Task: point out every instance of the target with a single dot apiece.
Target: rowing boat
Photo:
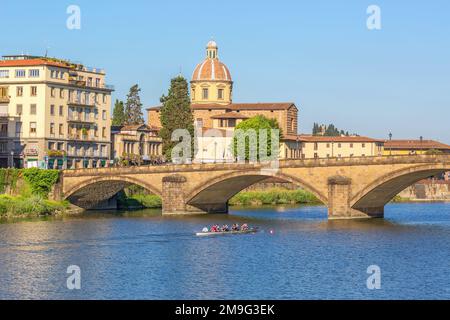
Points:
(220, 233)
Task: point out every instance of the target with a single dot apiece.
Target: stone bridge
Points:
(349, 187)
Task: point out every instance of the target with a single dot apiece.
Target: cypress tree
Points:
(133, 107)
(118, 113)
(175, 114)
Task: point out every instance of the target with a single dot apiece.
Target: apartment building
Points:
(53, 114)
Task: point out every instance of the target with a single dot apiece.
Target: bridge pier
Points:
(339, 196)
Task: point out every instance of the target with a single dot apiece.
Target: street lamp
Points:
(390, 139)
(12, 159)
(215, 151)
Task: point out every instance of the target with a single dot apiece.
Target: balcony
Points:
(90, 84)
(81, 137)
(81, 102)
(80, 119)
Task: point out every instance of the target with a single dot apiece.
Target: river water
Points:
(297, 255)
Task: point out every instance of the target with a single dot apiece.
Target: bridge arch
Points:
(90, 193)
(382, 190)
(217, 191)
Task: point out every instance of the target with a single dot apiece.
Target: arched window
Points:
(205, 93)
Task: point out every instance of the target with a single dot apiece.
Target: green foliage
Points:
(256, 123)
(330, 131)
(40, 181)
(176, 113)
(29, 206)
(118, 113)
(133, 107)
(273, 196)
(128, 199)
(8, 177)
(433, 152)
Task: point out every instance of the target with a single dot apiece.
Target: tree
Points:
(433, 152)
(316, 129)
(176, 113)
(118, 114)
(256, 123)
(133, 107)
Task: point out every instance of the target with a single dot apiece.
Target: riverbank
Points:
(30, 206)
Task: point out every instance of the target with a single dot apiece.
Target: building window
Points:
(328, 145)
(33, 91)
(61, 93)
(61, 110)
(316, 155)
(52, 129)
(18, 128)
(205, 94)
(104, 114)
(20, 73)
(4, 130)
(52, 92)
(61, 129)
(52, 110)
(4, 92)
(104, 98)
(33, 73)
(220, 94)
(19, 109)
(316, 146)
(339, 145)
(103, 132)
(351, 145)
(363, 145)
(193, 94)
(32, 109)
(97, 82)
(32, 127)
(19, 91)
(4, 73)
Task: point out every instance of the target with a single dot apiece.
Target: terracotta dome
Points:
(211, 69)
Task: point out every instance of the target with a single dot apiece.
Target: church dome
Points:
(211, 69)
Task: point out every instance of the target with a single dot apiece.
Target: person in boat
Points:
(225, 228)
(235, 227)
(244, 227)
(205, 229)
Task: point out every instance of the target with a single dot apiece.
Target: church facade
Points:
(216, 114)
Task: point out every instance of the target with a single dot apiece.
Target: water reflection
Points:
(297, 254)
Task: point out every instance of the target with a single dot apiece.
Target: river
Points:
(297, 255)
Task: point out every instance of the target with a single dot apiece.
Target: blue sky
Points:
(318, 54)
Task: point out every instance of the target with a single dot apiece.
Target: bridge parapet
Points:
(351, 187)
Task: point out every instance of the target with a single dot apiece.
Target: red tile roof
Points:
(32, 62)
(415, 144)
(311, 138)
(238, 106)
(230, 115)
(245, 106)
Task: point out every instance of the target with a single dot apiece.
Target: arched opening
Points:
(377, 194)
(215, 196)
(111, 193)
